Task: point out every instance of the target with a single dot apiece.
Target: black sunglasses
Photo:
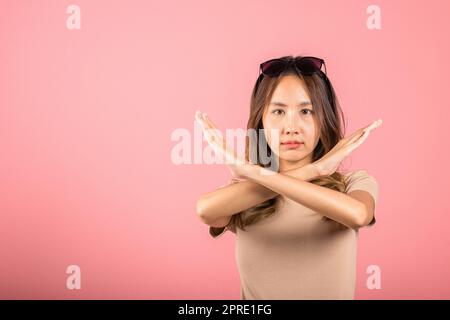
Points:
(303, 65)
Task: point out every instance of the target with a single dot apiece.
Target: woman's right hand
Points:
(237, 165)
(330, 162)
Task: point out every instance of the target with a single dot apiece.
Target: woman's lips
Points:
(292, 145)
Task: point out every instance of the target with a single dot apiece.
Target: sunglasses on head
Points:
(303, 65)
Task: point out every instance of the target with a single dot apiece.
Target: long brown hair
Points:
(331, 124)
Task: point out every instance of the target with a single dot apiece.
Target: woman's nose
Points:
(292, 124)
(291, 130)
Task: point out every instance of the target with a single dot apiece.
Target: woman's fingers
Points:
(357, 140)
(355, 137)
(207, 122)
(218, 136)
(203, 121)
(200, 120)
(209, 132)
(221, 141)
(374, 125)
(358, 133)
(212, 134)
(351, 147)
(361, 139)
(211, 125)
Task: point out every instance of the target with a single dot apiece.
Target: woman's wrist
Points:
(252, 172)
(307, 173)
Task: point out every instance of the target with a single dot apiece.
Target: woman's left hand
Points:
(239, 167)
(330, 162)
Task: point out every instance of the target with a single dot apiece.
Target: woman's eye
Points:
(304, 111)
(276, 111)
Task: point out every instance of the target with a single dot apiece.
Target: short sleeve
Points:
(216, 232)
(362, 180)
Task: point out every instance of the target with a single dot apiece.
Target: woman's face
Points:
(291, 114)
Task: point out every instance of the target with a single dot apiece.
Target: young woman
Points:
(296, 226)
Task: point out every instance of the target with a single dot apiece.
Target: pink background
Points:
(86, 118)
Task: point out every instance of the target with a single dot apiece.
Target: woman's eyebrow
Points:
(280, 104)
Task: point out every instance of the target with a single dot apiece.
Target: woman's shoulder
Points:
(361, 179)
(356, 172)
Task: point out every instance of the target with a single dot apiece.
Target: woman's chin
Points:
(292, 155)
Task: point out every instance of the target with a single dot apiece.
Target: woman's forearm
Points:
(335, 205)
(234, 198)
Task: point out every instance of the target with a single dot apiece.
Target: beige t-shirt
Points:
(296, 253)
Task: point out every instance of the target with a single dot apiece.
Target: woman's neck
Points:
(286, 165)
